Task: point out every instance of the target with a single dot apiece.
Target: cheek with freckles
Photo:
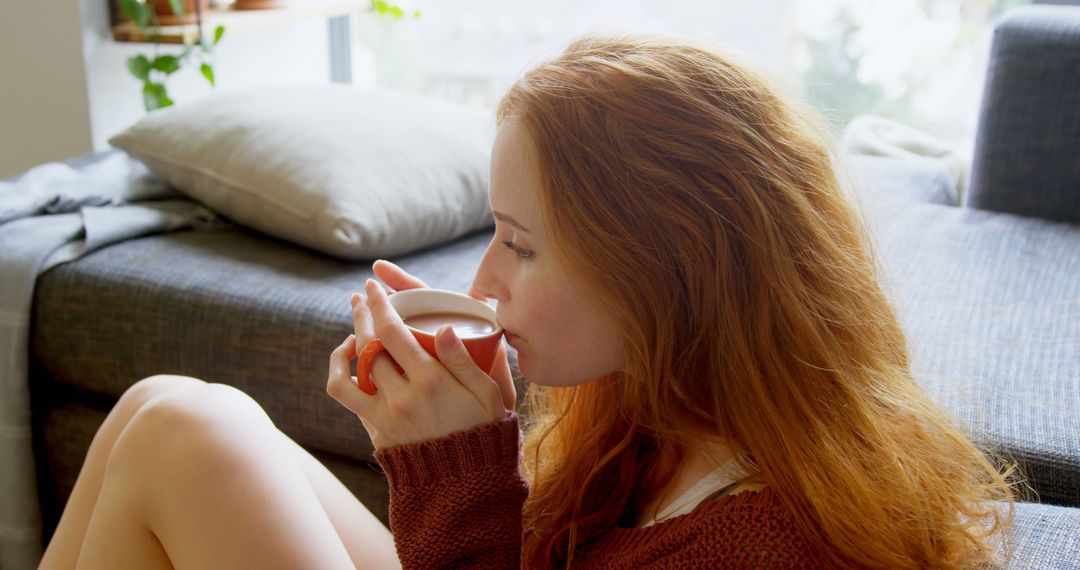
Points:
(567, 346)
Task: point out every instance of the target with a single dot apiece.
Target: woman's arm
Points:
(455, 502)
(445, 433)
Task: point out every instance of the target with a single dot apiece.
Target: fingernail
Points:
(369, 284)
(446, 336)
(354, 299)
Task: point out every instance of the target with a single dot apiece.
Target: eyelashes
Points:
(518, 252)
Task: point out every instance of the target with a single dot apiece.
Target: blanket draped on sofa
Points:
(50, 215)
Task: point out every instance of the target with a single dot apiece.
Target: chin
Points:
(555, 380)
(548, 377)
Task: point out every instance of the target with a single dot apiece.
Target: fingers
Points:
(363, 325)
(455, 357)
(398, 279)
(395, 277)
(341, 385)
(380, 366)
(393, 333)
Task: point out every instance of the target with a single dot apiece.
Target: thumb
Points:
(455, 357)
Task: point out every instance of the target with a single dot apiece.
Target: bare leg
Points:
(203, 479)
(63, 548)
(369, 543)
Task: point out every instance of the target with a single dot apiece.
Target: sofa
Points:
(988, 291)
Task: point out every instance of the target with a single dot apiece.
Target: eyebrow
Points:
(509, 220)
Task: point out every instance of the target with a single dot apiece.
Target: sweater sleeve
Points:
(455, 501)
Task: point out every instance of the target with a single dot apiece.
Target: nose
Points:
(488, 281)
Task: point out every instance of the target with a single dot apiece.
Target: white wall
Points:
(43, 104)
(65, 88)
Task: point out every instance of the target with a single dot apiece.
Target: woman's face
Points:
(560, 338)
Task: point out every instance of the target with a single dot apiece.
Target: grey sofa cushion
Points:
(991, 306)
(227, 306)
(1046, 537)
(1029, 125)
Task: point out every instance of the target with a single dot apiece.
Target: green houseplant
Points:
(154, 69)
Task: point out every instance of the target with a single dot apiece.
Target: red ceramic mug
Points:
(424, 312)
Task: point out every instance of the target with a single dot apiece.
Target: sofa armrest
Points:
(1025, 159)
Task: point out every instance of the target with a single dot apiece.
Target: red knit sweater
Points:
(455, 502)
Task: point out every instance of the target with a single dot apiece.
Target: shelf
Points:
(244, 20)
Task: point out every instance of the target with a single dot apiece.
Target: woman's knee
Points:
(205, 423)
(185, 442)
(150, 387)
(135, 398)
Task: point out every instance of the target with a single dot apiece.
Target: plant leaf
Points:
(155, 96)
(177, 7)
(208, 72)
(135, 11)
(218, 32)
(129, 8)
(139, 66)
(166, 63)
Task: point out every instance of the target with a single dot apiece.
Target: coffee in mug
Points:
(465, 325)
(425, 311)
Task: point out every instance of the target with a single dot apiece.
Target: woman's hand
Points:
(436, 396)
(398, 280)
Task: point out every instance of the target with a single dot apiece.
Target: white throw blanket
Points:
(51, 215)
(879, 136)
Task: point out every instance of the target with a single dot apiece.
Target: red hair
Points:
(702, 208)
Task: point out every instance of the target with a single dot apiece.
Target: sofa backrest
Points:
(1027, 148)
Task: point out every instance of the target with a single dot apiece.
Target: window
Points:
(921, 62)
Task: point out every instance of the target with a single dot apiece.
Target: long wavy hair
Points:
(700, 203)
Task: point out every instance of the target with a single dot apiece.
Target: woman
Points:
(716, 378)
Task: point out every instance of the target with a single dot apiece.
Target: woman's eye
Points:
(522, 253)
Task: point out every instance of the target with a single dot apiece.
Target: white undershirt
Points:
(688, 501)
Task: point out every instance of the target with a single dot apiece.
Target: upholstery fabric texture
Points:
(1045, 537)
(990, 304)
(330, 167)
(226, 306)
(1029, 123)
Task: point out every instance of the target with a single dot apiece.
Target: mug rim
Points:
(428, 291)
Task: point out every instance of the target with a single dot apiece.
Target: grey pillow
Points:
(357, 173)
